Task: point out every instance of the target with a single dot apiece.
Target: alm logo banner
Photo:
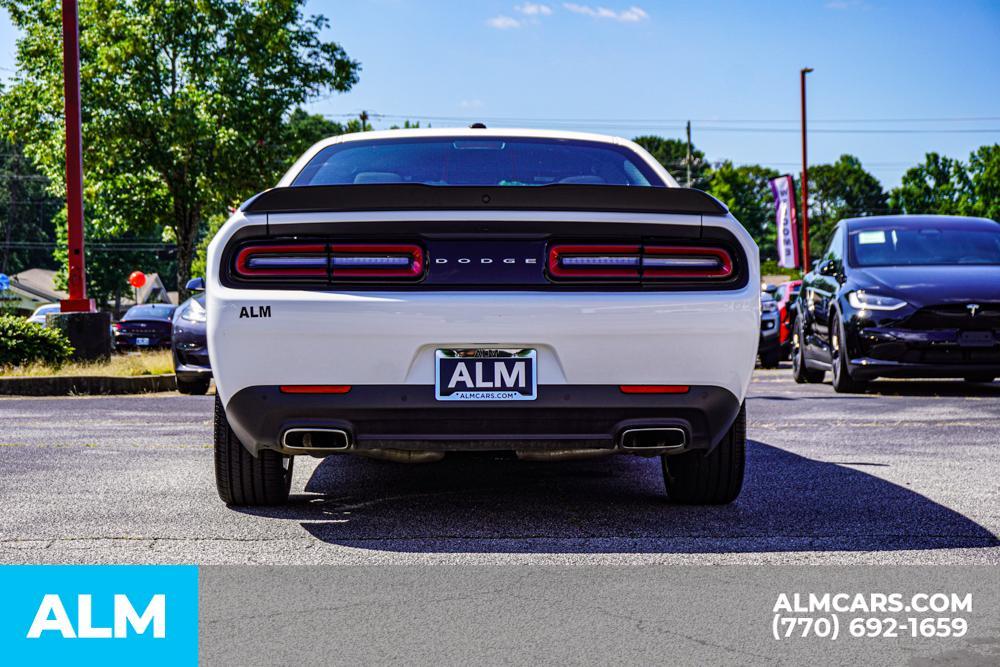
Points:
(102, 614)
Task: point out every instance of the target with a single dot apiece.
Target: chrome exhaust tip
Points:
(653, 439)
(315, 440)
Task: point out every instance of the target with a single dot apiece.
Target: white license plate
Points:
(142, 341)
(485, 375)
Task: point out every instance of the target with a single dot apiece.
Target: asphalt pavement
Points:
(906, 474)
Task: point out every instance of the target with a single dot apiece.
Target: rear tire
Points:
(242, 478)
(198, 386)
(801, 373)
(696, 478)
(843, 383)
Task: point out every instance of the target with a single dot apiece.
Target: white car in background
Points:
(405, 294)
(38, 317)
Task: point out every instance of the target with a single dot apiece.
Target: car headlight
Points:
(195, 312)
(863, 301)
(768, 306)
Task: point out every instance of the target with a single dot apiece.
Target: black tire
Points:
(242, 478)
(696, 478)
(770, 359)
(801, 373)
(198, 386)
(843, 383)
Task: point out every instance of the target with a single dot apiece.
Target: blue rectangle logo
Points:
(99, 614)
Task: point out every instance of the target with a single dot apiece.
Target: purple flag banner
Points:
(784, 212)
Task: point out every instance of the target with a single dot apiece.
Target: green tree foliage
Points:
(23, 342)
(184, 104)
(936, 185)
(672, 154)
(843, 189)
(27, 230)
(747, 193)
(301, 131)
(946, 186)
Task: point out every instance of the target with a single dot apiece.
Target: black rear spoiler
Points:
(414, 197)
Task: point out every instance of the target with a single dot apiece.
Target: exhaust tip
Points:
(653, 438)
(316, 440)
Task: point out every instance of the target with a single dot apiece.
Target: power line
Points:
(646, 121)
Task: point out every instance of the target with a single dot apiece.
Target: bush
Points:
(23, 342)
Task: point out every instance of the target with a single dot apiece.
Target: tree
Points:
(301, 131)
(936, 185)
(27, 230)
(840, 190)
(747, 193)
(983, 197)
(672, 154)
(184, 104)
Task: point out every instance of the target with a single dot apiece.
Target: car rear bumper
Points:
(408, 417)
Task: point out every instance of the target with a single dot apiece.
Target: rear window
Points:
(927, 245)
(491, 161)
(150, 312)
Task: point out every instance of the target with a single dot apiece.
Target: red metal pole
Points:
(805, 175)
(78, 301)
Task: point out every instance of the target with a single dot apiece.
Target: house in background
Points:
(35, 287)
(30, 289)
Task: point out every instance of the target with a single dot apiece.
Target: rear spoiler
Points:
(414, 197)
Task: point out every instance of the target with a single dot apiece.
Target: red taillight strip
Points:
(558, 253)
(686, 265)
(654, 388)
(415, 269)
(315, 388)
(298, 250)
(364, 260)
(654, 262)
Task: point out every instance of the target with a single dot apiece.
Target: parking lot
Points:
(905, 474)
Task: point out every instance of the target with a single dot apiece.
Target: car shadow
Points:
(949, 388)
(472, 503)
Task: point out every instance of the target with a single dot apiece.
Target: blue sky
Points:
(642, 66)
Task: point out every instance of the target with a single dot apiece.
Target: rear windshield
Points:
(150, 312)
(489, 162)
(925, 245)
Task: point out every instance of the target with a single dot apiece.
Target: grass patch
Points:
(135, 364)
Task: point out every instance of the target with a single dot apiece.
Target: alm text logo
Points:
(52, 617)
(99, 614)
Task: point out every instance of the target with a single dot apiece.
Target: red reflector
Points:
(315, 388)
(654, 388)
(594, 261)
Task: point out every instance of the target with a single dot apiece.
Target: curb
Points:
(55, 385)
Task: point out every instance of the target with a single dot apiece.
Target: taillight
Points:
(334, 261)
(638, 262)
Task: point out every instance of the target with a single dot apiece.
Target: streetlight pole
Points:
(805, 174)
(77, 301)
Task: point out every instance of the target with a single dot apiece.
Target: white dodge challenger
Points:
(404, 294)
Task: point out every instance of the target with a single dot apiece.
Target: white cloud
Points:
(633, 14)
(533, 9)
(502, 22)
(471, 104)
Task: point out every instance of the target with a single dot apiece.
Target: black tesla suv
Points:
(902, 296)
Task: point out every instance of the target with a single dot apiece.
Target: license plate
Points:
(485, 375)
(142, 341)
(976, 339)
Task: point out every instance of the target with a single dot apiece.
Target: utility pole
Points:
(364, 120)
(77, 301)
(805, 175)
(88, 331)
(687, 160)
